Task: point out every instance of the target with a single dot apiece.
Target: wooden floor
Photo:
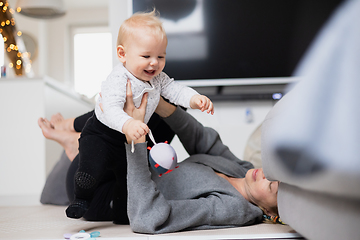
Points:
(50, 222)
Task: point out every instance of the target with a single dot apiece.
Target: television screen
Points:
(237, 39)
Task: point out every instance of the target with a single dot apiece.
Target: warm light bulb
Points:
(18, 62)
(18, 66)
(2, 24)
(19, 33)
(11, 65)
(5, 39)
(18, 9)
(7, 22)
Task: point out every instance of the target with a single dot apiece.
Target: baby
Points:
(141, 49)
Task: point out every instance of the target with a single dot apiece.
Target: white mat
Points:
(50, 222)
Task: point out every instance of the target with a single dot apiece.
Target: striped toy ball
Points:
(162, 158)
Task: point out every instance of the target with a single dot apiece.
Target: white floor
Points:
(50, 222)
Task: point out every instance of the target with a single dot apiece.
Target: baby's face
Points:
(145, 55)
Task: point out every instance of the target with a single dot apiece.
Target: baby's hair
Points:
(141, 20)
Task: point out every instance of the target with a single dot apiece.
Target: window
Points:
(92, 62)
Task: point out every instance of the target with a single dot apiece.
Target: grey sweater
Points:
(192, 196)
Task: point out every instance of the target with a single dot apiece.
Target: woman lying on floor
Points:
(210, 189)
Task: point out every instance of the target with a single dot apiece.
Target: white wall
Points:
(118, 12)
(26, 157)
(22, 147)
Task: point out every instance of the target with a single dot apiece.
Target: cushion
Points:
(252, 152)
(54, 191)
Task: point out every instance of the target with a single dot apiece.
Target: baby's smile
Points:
(150, 72)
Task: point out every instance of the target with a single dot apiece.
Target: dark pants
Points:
(99, 172)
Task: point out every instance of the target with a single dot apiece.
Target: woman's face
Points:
(261, 191)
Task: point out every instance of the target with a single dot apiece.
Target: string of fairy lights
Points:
(13, 43)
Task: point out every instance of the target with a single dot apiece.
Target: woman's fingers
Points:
(128, 91)
(129, 104)
(144, 101)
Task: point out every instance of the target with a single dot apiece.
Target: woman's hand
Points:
(135, 129)
(129, 107)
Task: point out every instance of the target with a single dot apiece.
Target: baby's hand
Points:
(135, 129)
(202, 102)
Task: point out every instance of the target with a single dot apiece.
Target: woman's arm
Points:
(150, 212)
(164, 109)
(195, 138)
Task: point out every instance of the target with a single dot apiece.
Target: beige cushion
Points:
(252, 152)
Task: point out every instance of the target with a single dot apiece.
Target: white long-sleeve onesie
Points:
(113, 92)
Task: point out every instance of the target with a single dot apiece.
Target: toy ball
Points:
(162, 158)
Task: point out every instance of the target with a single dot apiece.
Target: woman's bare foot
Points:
(58, 122)
(67, 139)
